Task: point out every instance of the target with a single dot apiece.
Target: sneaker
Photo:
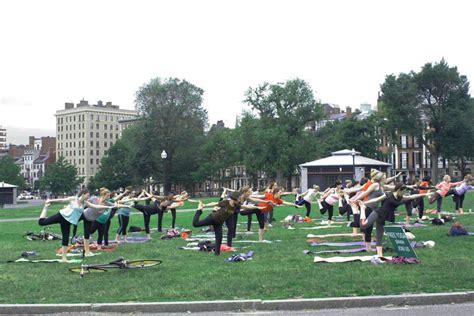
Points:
(307, 219)
(248, 233)
(291, 227)
(270, 225)
(376, 260)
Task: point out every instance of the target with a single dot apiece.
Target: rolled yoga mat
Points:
(133, 240)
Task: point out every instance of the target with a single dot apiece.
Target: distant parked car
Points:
(25, 196)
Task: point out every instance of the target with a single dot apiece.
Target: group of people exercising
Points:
(370, 201)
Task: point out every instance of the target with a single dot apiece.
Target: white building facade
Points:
(85, 132)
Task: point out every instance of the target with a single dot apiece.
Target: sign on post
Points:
(400, 242)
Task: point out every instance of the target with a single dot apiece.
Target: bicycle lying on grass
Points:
(42, 235)
(120, 263)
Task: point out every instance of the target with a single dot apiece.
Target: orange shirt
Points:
(365, 188)
(273, 199)
(424, 184)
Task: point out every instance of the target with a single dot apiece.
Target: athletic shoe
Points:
(248, 233)
(376, 260)
(290, 227)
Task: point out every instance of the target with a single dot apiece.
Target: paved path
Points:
(430, 310)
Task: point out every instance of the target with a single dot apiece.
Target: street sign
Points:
(400, 241)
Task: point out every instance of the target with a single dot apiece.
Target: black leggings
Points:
(173, 218)
(308, 207)
(439, 201)
(458, 199)
(374, 217)
(58, 219)
(420, 204)
(409, 208)
(123, 224)
(87, 228)
(327, 208)
(148, 211)
(367, 230)
(230, 222)
(260, 216)
(209, 221)
(345, 209)
(249, 221)
(103, 229)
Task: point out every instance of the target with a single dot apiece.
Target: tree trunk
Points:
(434, 166)
(279, 178)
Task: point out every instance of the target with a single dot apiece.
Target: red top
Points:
(273, 199)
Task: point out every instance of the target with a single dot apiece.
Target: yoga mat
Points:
(338, 259)
(256, 241)
(92, 254)
(415, 225)
(341, 244)
(332, 235)
(321, 227)
(354, 250)
(132, 240)
(46, 260)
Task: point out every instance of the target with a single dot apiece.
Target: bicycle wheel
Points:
(32, 237)
(87, 270)
(142, 263)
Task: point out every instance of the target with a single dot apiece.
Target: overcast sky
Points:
(53, 52)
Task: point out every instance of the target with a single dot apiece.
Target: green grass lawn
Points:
(278, 271)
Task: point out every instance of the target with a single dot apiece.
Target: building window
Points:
(91, 144)
(97, 134)
(97, 145)
(92, 152)
(105, 135)
(105, 144)
(97, 161)
(403, 141)
(97, 126)
(105, 125)
(92, 125)
(404, 160)
(92, 134)
(92, 161)
(97, 152)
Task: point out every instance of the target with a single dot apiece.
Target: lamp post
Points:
(353, 154)
(164, 155)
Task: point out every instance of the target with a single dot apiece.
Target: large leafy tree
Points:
(173, 120)
(10, 172)
(60, 177)
(422, 104)
(350, 133)
(116, 169)
(219, 152)
(284, 110)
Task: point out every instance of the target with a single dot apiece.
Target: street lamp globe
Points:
(164, 155)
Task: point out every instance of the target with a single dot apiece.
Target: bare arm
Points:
(370, 189)
(65, 200)
(376, 200)
(391, 179)
(415, 196)
(98, 207)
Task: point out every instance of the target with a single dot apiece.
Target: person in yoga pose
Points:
(69, 214)
(459, 191)
(390, 201)
(443, 189)
(221, 212)
(124, 213)
(329, 199)
(310, 196)
(371, 190)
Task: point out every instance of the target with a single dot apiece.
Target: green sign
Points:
(400, 241)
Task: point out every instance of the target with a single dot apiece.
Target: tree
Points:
(173, 120)
(421, 104)
(459, 135)
(60, 177)
(219, 151)
(10, 172)
(116, 170)
(350, 133)
(284, 110)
